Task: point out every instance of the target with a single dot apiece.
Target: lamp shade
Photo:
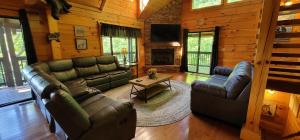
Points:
(124, 51)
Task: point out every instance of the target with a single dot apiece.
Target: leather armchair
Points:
(225, 95)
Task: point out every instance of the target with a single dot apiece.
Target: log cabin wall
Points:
(118, 12)
(239, 26)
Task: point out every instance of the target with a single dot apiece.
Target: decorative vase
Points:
(152, 73)
(152, 76)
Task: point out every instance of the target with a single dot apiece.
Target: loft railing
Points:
(199, 59)
(22, 61)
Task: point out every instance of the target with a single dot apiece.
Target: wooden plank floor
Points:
(27, 123)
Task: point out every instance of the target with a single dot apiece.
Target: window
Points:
(196, 4)
(114, 46)
(143, 4)
(231, 1)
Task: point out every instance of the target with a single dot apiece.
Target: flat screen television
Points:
(165, 32)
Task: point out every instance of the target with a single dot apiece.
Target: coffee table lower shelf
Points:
(148, 93)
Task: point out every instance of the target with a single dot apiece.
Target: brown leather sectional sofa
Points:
(69, 94)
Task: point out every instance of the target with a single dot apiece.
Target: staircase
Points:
(284, 72)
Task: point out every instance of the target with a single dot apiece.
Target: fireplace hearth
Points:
(162, 56)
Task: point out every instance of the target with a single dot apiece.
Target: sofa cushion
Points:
(107, 67)
(79, 90)
(86, 66)
(84, 61)
(65, 75)
(44, 85)
(212, 89)
(86, 71)
(63, 70)
(75, 82)
(98, 103)
(118, 75)
(238, 79)
(92, 77)
(106, 59)
(91, 91)
(218, 79)
(60, 65)
(41, 67)
(95, 80)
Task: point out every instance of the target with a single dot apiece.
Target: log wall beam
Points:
(53, 28)
(269, 15)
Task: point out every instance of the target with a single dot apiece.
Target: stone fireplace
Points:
(162, 60)
(162, 56)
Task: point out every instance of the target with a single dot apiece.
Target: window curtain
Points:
(119, 31)
(214, 61)
(184, 61)
(27, 36)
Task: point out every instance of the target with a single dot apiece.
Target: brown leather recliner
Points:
(97, 118)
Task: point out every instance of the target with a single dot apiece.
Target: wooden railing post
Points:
(266, 36)
(53, 28)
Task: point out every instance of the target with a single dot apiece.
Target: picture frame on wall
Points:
(80, 31)
(81, 44)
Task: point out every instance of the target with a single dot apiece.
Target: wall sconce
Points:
(177, 44)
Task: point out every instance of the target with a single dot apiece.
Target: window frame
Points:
(199, 35)
(128, 48)
(208, 7)
(223, 2)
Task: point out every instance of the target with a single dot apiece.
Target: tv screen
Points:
(165, 32)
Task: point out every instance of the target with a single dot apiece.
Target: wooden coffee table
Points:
(150, 87)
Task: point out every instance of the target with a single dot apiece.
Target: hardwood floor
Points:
(27, 123)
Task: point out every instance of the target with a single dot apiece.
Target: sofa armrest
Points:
(225, 71)
(203, 87)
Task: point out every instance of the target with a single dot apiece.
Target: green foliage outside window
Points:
(197, 4)
(231, 1)
(205, 3)
(199, 51)
(117, 44)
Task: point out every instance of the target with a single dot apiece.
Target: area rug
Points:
(165, 108)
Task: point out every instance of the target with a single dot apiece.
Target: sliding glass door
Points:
(13, 59)
(200, 46)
